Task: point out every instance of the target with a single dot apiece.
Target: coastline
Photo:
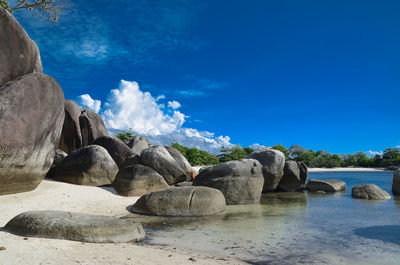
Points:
(346, 169)
(52, 195)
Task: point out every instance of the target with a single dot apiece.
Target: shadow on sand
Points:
(385, 233)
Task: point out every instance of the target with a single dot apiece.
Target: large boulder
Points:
(119, 151)
(181, 161)
(327, 185)
(158, 158)
(75, 226)
(396, 183)
(181, 201)
(19, 55)
(273, 163)
(240, 181)
(138, 180)
(91, 165)
(31, 118)
(291, 177)
(303, 173)
(369, 192)
(71, 137)
(92, 127)
(138, 144)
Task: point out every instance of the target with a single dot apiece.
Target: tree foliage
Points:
(196, 156)
(235, 153)
(48, 10)
(281, 148)
(127, 136)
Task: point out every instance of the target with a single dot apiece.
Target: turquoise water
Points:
(295, 228)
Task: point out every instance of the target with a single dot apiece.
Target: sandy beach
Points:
(51, 195)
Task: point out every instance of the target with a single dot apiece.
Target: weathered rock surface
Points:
(303, 173)
(181, 161)
(240, 181)
(327, 185)
(369, 192)
(158, 158)
(75, 226)
(91, 165)
(181, 201)
(273, 163)
(58, 158)
(31, 118)
(138, 144)
(19, 55)
(138, 180)
(184, 184)
(71, 137)
(119, 151)
(291, 177)
(92, 127)
(396, 183)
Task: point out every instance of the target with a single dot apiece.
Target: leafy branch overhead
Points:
(48, 10)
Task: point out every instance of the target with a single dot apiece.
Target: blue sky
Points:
(321, 74)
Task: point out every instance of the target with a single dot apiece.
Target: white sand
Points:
(345, 169)
(51, 195)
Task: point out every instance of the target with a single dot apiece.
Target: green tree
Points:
(48, 10)
(235, 153)
(281, 148)
(196, 156)
(126, 136)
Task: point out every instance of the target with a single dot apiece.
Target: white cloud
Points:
(371, 153)
(129, 108)
(174, 104)
(86, 101)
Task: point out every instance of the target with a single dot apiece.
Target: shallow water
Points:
(295, 228)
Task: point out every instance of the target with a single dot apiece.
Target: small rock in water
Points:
(193, 259)
(2, 248)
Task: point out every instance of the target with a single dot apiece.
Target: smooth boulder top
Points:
(181, 201)
(396, 183)
(158, 158)
(71, 137)
(76, 227)
(327, 185)
(138, 180)
(138, 144)
(369, 192)
(31, 120)
(291, 177)
(240, 181)
(19, 55)
(91, 165)
(273, 163)
(181, 161)
(92, 127)
(119, 151)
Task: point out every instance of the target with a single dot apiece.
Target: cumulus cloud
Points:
(86, 101)
(371, 153)
(174, 104)
(129, 108)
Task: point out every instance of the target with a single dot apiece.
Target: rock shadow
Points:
(385, 233)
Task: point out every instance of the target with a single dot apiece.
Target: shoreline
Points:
(347, 169)
(53, 195)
